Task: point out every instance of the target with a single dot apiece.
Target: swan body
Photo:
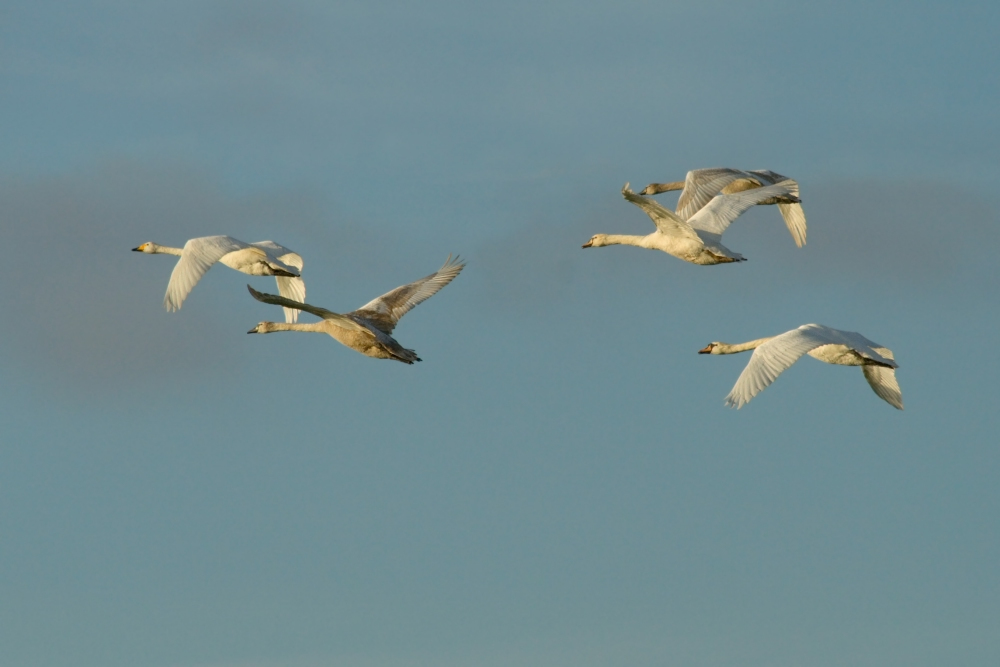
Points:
(263, 258)
(699, 238)
(774, 354)
(701, 185)
(368, 329)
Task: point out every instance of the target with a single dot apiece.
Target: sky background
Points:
(558, 484)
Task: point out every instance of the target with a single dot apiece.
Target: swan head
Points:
(263, 328)
(596, 241)
(712, 348)
(649, 190)
(148, 247)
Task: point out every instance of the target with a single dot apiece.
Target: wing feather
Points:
(197, 257)
(770, 360)
(294, 289)
(666, 221)
(386, 310)
(700, 185)
(883, 382)
(716, 216)
(290, 288)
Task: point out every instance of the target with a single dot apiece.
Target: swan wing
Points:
(700, 185)
(862, 346)
(771, 359)
(279, 252)
(290, 288)
(666, 221)
(385, 311)
(718, 214)
(294, 289)
(883, 382)
(342, 321)
(197, 257)
(794, 216)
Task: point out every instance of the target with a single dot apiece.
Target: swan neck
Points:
(623, 239)
(667, 187)
(725, 348)
(166, 250)
(319, 327)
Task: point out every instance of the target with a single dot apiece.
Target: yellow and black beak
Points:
(706, 350)
(588, 243)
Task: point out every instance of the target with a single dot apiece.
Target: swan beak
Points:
(254, 330)
(706, 350)
(139, 249)
(588, 244)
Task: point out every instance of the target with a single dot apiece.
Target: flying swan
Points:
(700, 185)
(699, 238)
(773, 355)
(264, 258)
(368, 328)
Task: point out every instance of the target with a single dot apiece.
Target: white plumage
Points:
(263, 258)
(844, 348)
(697, 239)
(701, 185)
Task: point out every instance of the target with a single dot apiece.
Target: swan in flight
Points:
(264, 258)
(773, 355)
(368, 328)
(700, 185)
(699, 238)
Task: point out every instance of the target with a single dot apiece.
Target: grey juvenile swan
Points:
(773, 355)
(700, 185)
(699, 238)
(368, 328)
(263, 258)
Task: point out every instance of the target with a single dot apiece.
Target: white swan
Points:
(698, 239)
(700, 185)
(368, 328)
(263, 258)
(845, 348)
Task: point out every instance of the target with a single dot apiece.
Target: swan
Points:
(263, 258)
(698, 239)
(700, 185)
(774, 354)
(368, 328)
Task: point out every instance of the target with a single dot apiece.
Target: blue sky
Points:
(558, 483)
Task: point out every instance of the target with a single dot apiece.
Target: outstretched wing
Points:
(716, 216)
(385, 311)
(666, 221)
(700, 185)
(197, 258)
(290, 288)
(883, 382)
(772, 358)
(342, 321)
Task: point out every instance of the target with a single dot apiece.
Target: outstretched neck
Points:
(166, 250)
(657, 188)
(726, 348)
(271, 327)
(623, 239)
